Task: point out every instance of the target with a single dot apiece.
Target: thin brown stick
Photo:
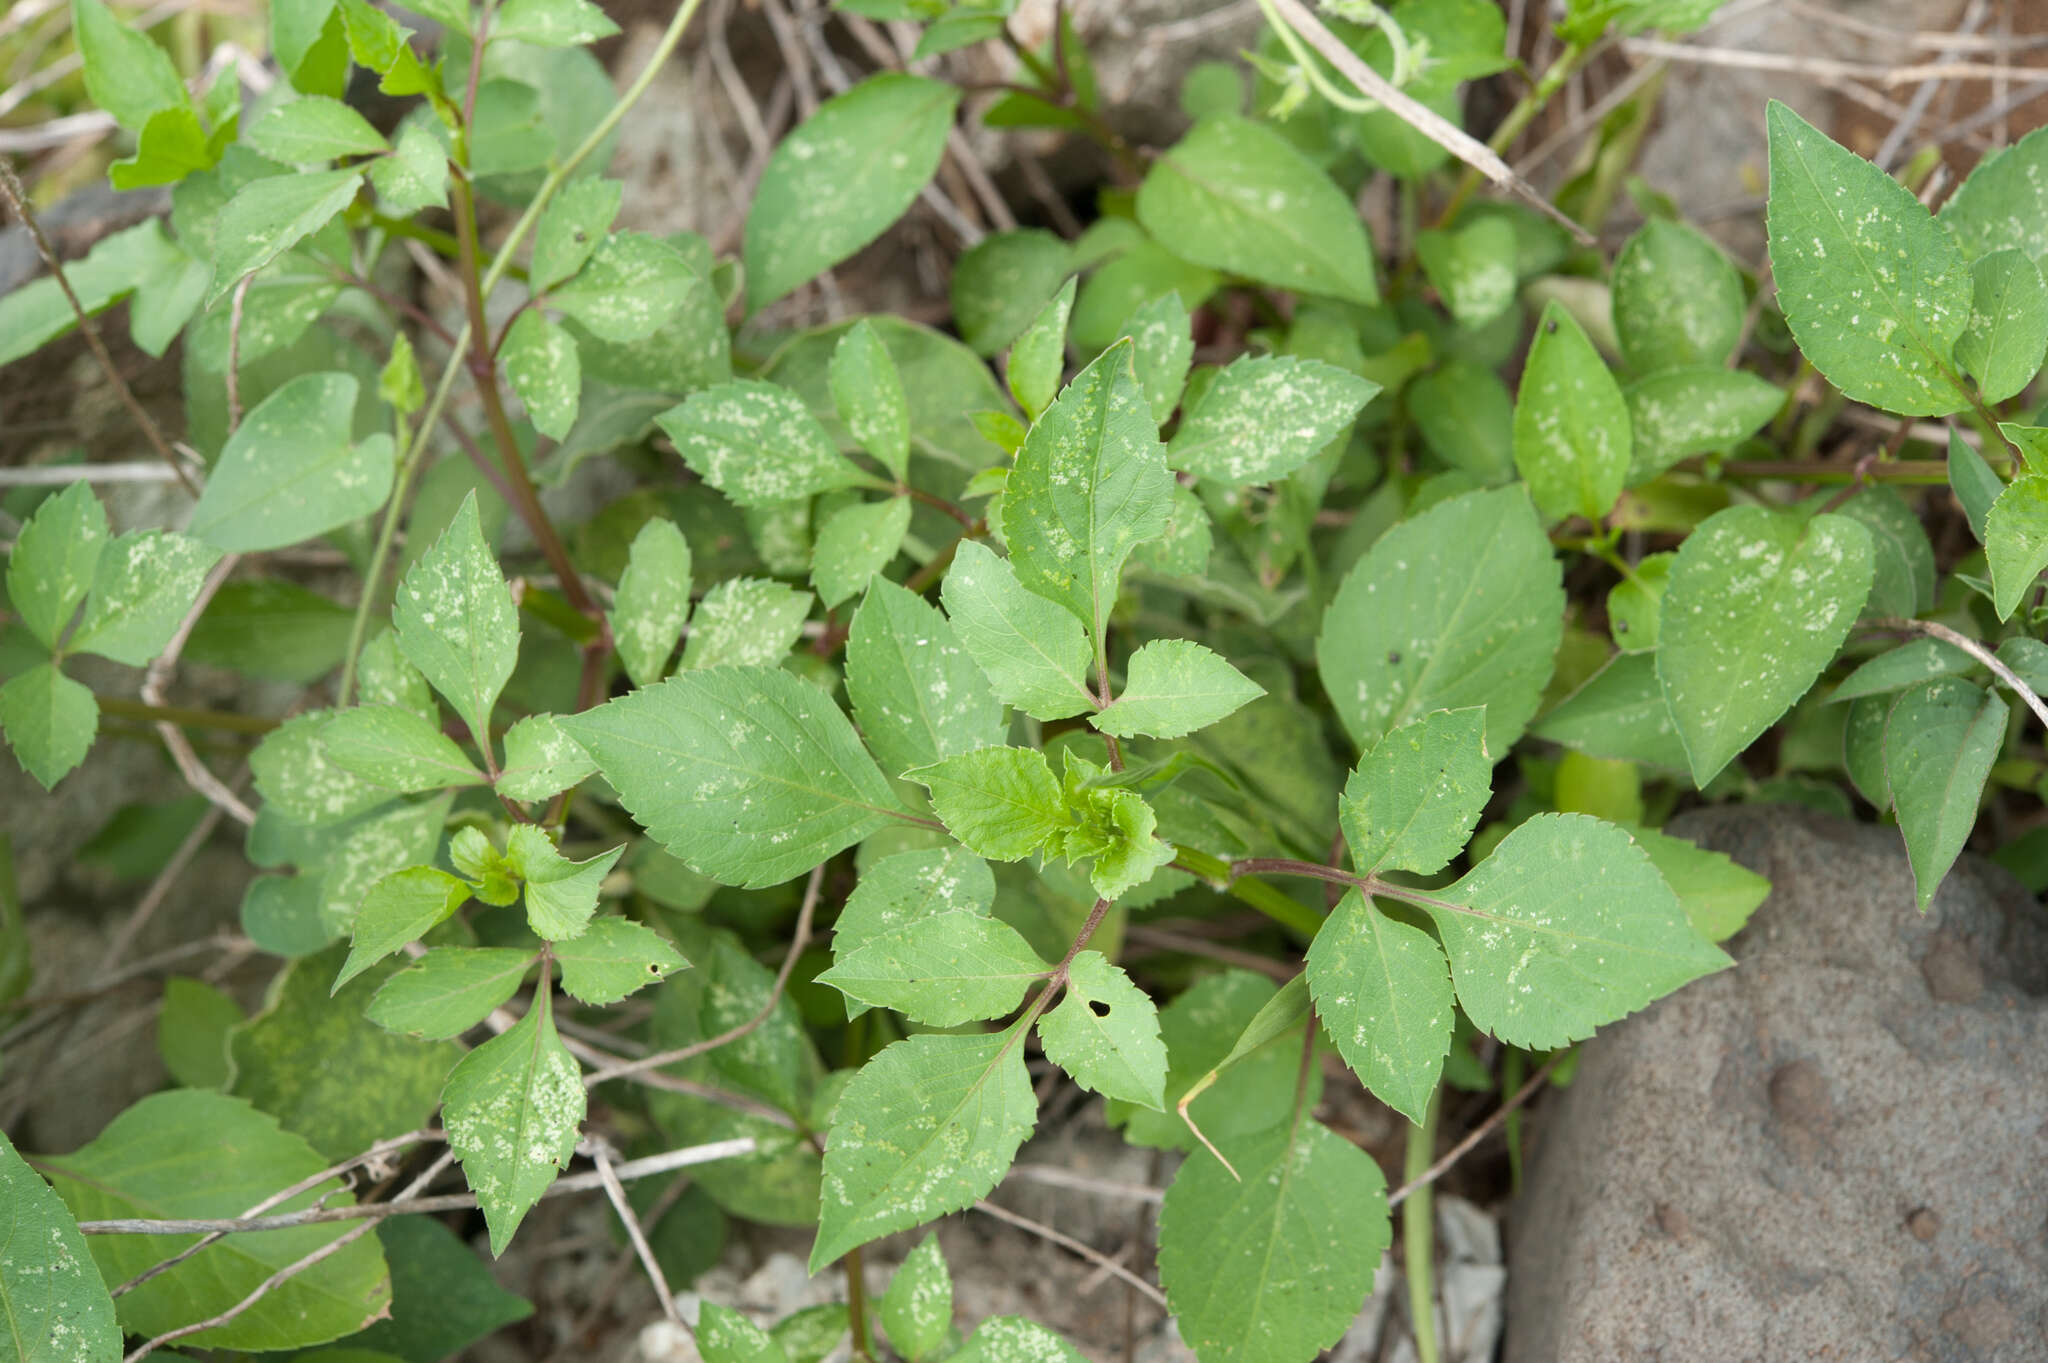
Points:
(1069, 1243)
(17, 200)
(1820, 68)
(1475, 1135)
(616, 1191)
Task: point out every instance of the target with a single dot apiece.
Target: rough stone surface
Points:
(1832, 1151)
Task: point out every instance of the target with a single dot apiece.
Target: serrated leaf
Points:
(1383, 991)
(56, 1308)
(415, 175)
(1902, 558)
(1202, 1028)
(726, 1336)
(1238, 197)
(512, 1108)
(561, 894)
(1757, 605)
(552, 23)
(745, 622)
(855, 544)
(1174, 687)
(842, 177)
(456, 622)
(1039, 355)
(378, 42)
(916, 1311)
(2003, 203)
(268, 217)
(1105, 1034)
(911, 886)
(542, 364)
(916, 693)
(926, 1127)
(1911, 663)
(449, 990)
(1016, 1339)
(1677, 300)
(632, 287)
(51, 565)
(49, 720)
(402, 907)
(1718, 893)
(615, 957)
(292, 771)
(1163, 345)
(1873, 288)
(1034, 653)
(653, 600)
(1697, 410)
(1272, 1266)
(2007, 337)
(1472, 269)
(541, 760)
(396, 749)
(2016, 540)
(1264, 417)
(1564, 928)
(941, 970)
(290, 471)
(314, 128)
(1940, 742)
(749, 775)
(1461, 606)
(1466, 417)
(757, 443)
(868, 394)
(1001, 282)
(1414, 800)
(126, 72)
(1090, 485)
(142, 587)
(572, 228)
(1001, 803)
(1572, 433)
(172, 146)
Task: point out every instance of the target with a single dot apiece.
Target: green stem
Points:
(441, 243)
(857, 1304)
(1518, 120)
(184, 718)
(1289, 912)
(387, 531)
(1418, 1231)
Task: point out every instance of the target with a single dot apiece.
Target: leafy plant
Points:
(988, 679)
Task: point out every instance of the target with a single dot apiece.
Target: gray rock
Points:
(1832, 1151)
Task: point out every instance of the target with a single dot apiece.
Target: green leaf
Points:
(292, 772)
(172, 146)
(1717, 893)
(378, 43)
(1940, 742)
(1975, 485)
(1236, 196)
(1902, 558)
(916, 693)
(1105, 1034)
(745, 622)
(917, 1309)
(273, 630)
(192, 1032)
(1016, 1339)
(842, 177)
(1033, 652)
(2003, 203)
(1757, 604)
(512, 1108)
(1264, 417)
(1002, 282)
(1174, 687)
(197, 1153)
(633, 286)
(290, 472)
(449, 990)
(49, 720)
(855, 544)
(541, 760)
(941, 970)
(1415, 798)
(1460, 606)
(1383, 991)
(653, 600)
(926, 1127)
(1566, 927)
(1911, 663)
(544, 368)
(1163, 345)
(402, 907)
(726, 1336)
(396, 749)
(53, 560)
(1472, 269)
(309, 44)
(126, 73)
(1039, 356)
(142, 588)
(757, 443)
(552, 23)
(2028, 660)
(1271, 1265)
(415, 175)
(750, 775)
(314, 128)
(38, 311)
(1001, 803)
(560, 894)
(1572, 436)
(1090, 485)
(1697, 410)
(1252, 1087)
(1874, 289)
(56, 1308)
(909, 887)
(2016, 540)
(456, 622)
(613, 958)
(2003, 346)
(268, 217)
(571, 229)
(443, 1298)
(868, 394)
(1677, 300)
(1140, 273)
(1466, 417)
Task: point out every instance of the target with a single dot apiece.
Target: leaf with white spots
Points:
(1089, 486)
(541, 760)
(1163, 347)
(750, 775)
(1415, 798)
(268, 217)
(56, 1307)
(1105, 1034)
(1566, 927)
(867, 392)
(916, 693)
(1039, 356)
(1461, 606)
(855, 544)
(1940, 741)
(927, 1127)
(653, 600)
(1383, 991)
(745, 622)
(1695, 410)
(1677, 300)
(1034, 653)
(50, 568)
(1174, 687)
(615, 957)
(1238, 196)
(758, 444)
(1572, 435)
(2003, 203)
(456, 622)
(726, 1336)
(143, 584)
(1016, 1339)
(572, 228)
(1874, 289)
(941, 970)
(552, 23)
(415, 175)
(632, 287)
(544, 368)
(907, 888)
(512, 1107)
(1271, 1264)
(1757, 604)
(1001, 803)
(1000, 284)
(290, 470)
(2003, 346)
(1264, 417)
(2016, 540)
(395, 748)
(293, 772)
(916, 1312)
(1473, 268)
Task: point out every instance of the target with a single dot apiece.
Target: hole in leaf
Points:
(1098, 1007)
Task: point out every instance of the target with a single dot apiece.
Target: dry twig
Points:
(1069, 1243)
